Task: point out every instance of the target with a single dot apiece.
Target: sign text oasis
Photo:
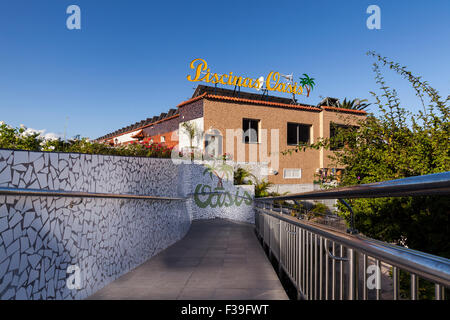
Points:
(272, 83)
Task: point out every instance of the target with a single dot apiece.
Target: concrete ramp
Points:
(218, 259)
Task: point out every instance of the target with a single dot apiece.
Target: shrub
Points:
(19, 139)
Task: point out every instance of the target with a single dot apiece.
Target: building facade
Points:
(248, 128)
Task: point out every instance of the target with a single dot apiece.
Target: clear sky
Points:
(130, 59)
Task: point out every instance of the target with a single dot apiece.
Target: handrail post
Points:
(352, 229)
(353, 275)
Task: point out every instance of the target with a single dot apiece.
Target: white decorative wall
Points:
(230, 202)
(40, 237)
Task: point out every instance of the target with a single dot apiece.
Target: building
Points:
(251, 128)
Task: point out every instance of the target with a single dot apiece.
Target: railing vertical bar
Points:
(437, 292)
(303, 262)
(320, 268)
(414, 286)
(297, 253)
(396, 280)
(378, 278)
(280, 244)
(365, 296)
(333, 273)
(326, 270)
(311, 270)
(299, 262)
(315, 267)
(353, 274)
(341, 273)
(307, 266)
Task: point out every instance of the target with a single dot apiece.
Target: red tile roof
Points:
(361, 112)
(142, 127)
(259, 102)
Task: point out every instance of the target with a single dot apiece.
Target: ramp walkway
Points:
(217, 259)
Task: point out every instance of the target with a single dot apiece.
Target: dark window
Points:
(298, 133)
(251, 130)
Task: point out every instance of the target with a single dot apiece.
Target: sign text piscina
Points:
(272, 82)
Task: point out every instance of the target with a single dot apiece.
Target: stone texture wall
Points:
(40, 237)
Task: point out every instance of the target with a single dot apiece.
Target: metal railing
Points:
(79, 194)
(325, 263)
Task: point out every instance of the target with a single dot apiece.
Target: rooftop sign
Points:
(273, 81)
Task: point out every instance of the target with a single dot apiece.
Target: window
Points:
(251, 130)
(163, 139)
(292, 173)
(298, 133)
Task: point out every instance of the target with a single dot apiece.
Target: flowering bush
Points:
(21, 139)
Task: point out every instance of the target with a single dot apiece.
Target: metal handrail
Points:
(302, 247)
(428, 266)
(427, 185)
(78, 194)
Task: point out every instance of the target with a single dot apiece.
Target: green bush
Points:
(18, 139)
(320, 209)
(241, 176)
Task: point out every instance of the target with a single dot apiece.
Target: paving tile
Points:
(217, 259)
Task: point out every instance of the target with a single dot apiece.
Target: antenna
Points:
(288, 77)
(261, 83)
(65, 128)
(290, 80)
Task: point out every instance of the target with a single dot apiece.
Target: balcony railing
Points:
(325, 263)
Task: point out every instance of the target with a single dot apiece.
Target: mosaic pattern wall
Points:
(227, 201)
(41, 237)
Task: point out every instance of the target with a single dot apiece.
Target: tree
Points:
(193, 132)
(355, 104)
(394, 144)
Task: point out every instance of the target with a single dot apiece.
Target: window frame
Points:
(298, 124)
(284, 173)
(244, 135)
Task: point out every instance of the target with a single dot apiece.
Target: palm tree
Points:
(307, 83)
(262, 188)
(192, 131)
(220, 171)
(355, 104)
(240, 176)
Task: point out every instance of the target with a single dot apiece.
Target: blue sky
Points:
(131, 58)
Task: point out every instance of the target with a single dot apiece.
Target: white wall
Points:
(126, 137)
(183, 137)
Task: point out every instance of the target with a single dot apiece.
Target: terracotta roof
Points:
(250, 101)
(192, 100)
(142, 124)
(138, 135)
(327, 108)
(262, 102)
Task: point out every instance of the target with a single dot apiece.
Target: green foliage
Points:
(262, 188)
(397, 144)
(241, 176)
(320, 209)
(17, 138)
(355, 104)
